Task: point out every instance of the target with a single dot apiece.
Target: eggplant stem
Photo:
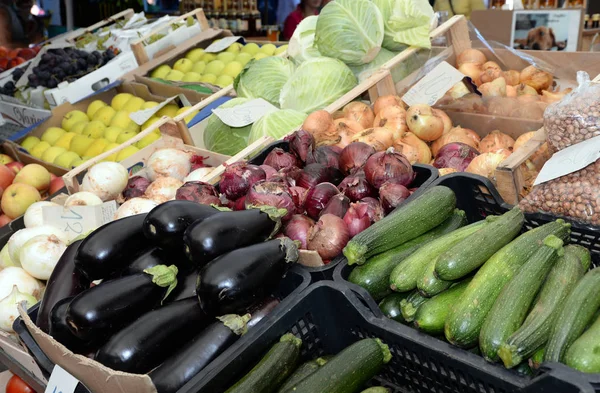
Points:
(291, 250)
(237, 323)
(164, 276)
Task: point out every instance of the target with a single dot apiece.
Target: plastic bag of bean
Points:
(575, 196)
(576, 117)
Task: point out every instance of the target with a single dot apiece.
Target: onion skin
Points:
(379, 137)
(106, 179)
(279, 158)
(163, 189)
(386, 101)
(136, 187)
(329, 236)
(346, 129)
(392, 194)
(494, 141)
(423, 122)
(169, 162)
(445, 118)
(301, 143)
(360, 113)
(318, 197)
(199, 192)
(299, 228)
(357, 219)
(418, 151)
(512, 77)
(269, 171)
(375, 210)
(298, 195)
(394, 119)
(354, 156)
(264, 193)
(491, 74)
(238, 178)
(386, 165)
(485, 164)
(495, 88)
(325, 155)
(320, 125)
(314, 174)
(338, 206)
(356, 187)
(473, 71)
(455, 155)
(470, 56)
(457, 134)
(536, 78)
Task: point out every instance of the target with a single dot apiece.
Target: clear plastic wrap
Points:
(576, 118)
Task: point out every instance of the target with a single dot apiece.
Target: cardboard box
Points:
(22, 115)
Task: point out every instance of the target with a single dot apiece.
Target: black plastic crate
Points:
(295, 281)
(328, 317)
(425, 176)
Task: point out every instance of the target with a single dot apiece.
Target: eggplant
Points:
(59, 329)
(65, 281)
(112, 247)
(205, 240)
(152, 338)
(232, 282)
(180, 368)
(186, 287)
(261, 310)
(154, 257)
(106, 308)
(167, 222)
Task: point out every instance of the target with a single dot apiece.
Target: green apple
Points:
(125, 136)
(78, 127)
(96, 148)
(232, 69)
(94, 129)
(184, 65)
(39, 149)
(66, 159)
(195, 54)
(119, 101)
(250, 48)
(53, 152)
(234, 48)
(30, 142)
(126, 152)
(208, 57)
(72, 118)
(224, 80)
(260, 55)
(208, 78)
(280, 50)
(226, 57)
(105, 115)
(268, 49)
(214, 67)
(147, 140)
(243, 58)
(77, 162)
(169, 110)
(52, 134)
(80, 143)
(108, 147)
(133, 105)
(65, 140)
(94, 106)
(199, 67)
(161, 71)
(174, 75)
(191, 77)
(111, 133)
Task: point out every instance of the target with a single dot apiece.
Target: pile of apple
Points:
(10, 58)
(218, 69)
(84, 135)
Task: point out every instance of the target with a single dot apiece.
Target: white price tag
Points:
(142, 116)
(245, 114)
(433, 86)
(78, 220)
(61, 381)
(222, 44)
(570, 160)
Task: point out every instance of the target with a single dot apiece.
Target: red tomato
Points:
(17, 385)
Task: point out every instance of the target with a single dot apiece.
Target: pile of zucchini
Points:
(518, 298)
(178, 286)
(347, 372)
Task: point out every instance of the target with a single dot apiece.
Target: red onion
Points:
(239, 204)
(354, 156)
(238, 178)
(357, 218)
(385, 165)
(279, 158)
(318, 197)
(391, 194)
(375, 210)
(299, 197)
(271, 194)
(338, 205)
(326, 155)
(455, 155)
(329, 236)
(199, 192)
(269, 171)
(197, 161)
(136, 187)
(301, 143)
(290, 175)
(356, 187)
(314, 174)
(299, 228)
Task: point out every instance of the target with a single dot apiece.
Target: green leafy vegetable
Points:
(301, 46)
(264, 78)
(406, 22)
(276, 124)
(223, 139)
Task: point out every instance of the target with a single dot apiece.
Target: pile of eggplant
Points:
(178, 286)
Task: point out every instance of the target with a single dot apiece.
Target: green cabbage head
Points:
(264, 78)
(276, 124)
(301, 46)
(221, 138)
(406, 22)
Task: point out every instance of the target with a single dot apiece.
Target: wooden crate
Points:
(125, 14)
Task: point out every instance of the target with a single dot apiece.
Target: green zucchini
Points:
(415, 218)
(582, 253)
(273, 368)
(466, 317)
(348, 371)
(473, 251)
(584, 353)
(376, 389)
(535, 361)
(429, 285)
(390, 306)
(302, 372)
(374, 275)
(405, 275)
(524, 369)
(431, 315)
(577, 312)
(411, 304)
(535, 331)
(511, 306)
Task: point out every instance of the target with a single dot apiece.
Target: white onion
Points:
(83, 198)
(163, 189)
(16, 276)
(198, 174)
(5, 260)
(107, 180)
(169, 163)
(19, 238)
(135, 206)
(40, 254)
(9, 307)
(33, 216)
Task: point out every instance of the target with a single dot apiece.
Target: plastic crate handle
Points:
(362, 294)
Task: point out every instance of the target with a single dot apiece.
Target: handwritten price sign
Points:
(433, 86)
(77, 220)
(61, 381)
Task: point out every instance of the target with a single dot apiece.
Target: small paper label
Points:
(78, 220)
(433, 86)
(142, 116)
(570, 160)
(61, 381)
(222, 44)
(245, 114)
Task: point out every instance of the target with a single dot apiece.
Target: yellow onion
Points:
(385, 101)
(473, 71)
(446, 171)
(346, 129)
(512, 77)
(360, 113)
(539, 158)
(470, 56)
(495, 88)
(511, 91)
(424, 123)
(536, 78)
(491, 74)
(413, 148)
(320, 125)
(445, 119)
(379, 137)
(457, 134)
(495, 141)
(393, 118)
(526, 90)
(485, 164)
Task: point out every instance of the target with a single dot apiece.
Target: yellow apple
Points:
(111, 133)
(199, 67)
(96, 148)
(4, 159)
(234, 48)
(280, 50)
(119, 101)
(121, 120)
(183, 65)
(108, 147)
(169, 110)
(125, 136)
(51, 153)
(65, 140)
(214, 67)
(66, 159)
(73, 117)
(224, 80)
(226, 57)
(195, 54)
(52, 134)
(232, 69)
(77, 162)
(133, 105)
(191, 77)
(268, 49)
(150, 121)
(30, 142)
(149, 104)
(160, 72)
(39, 149)
(94, 129)
(133, 126)
(189, 117)
(174, 75)
(243, 58)
(105, 115)
(35, 175)
(250, 48)
(126, 152)
(147, 140)
(80, 143)
(260, 55)
(208, 57)
(93, 107)
(208, 78)
(17, 198)
(78, 127)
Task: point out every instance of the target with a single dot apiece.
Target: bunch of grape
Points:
(9, 88)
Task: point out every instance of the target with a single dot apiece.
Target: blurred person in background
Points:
(457, 7)
(304, 9)
(18, 27)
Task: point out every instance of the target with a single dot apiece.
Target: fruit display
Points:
(84, 135)
(10, 58)
(215, 68)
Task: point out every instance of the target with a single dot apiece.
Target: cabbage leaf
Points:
(302, 44)
(276, 124)
(264, 78)
(406, 22)
(221, 138)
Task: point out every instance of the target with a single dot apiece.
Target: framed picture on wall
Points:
(550, 29)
